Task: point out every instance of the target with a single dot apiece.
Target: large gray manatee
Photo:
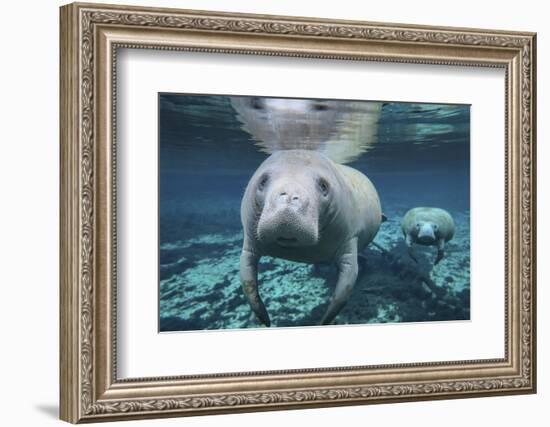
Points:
(301, 206)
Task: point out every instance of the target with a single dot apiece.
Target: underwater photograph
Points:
(290, 212)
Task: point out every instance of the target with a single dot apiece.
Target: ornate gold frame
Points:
(90, 36)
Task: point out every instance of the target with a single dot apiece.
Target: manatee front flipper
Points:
(409, 242)
(440, 249)
(347, 275)
(249, 283)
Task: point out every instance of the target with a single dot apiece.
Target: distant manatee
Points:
(428, 227)
(301, 206)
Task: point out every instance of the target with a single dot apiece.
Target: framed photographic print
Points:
(266, 212)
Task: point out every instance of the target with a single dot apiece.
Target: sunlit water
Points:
(420, 158)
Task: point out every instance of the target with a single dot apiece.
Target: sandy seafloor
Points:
(200, 287)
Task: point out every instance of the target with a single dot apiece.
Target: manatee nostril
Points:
(282, 198)
(285, 198)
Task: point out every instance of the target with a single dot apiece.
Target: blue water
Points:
(421, 158)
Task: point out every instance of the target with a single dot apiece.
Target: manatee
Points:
(428, 227)
(301, 206)
(342, 130)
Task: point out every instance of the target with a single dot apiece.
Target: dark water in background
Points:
(421, 158)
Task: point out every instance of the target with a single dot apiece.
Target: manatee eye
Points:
(257, 103)
(323, 186)
(418, 225)
(263, 182)
(436, 227)
(319, 107)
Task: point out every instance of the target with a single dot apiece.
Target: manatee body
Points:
(428, 227)
(301, 206)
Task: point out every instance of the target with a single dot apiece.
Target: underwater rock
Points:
(168, 270)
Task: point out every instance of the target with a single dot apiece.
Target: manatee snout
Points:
(287, 218)
(426, 233)
(294, 199)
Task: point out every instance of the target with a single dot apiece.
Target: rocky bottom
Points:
(200, 288)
